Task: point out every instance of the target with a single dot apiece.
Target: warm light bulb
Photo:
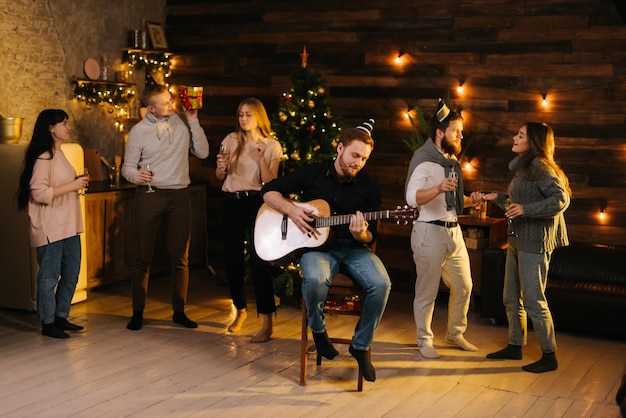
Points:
(602, 215)
(398, 60)
(468, 166)
(460, 88)
(407, 115)
(544, 102)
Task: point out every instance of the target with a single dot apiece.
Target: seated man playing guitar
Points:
(347, 190)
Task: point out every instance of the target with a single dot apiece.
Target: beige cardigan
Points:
(51, 219)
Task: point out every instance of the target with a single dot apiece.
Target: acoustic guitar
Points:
(276, 236)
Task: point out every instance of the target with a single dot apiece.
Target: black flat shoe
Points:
(64, 324)
(182, 319)
(136, 321)
(51, 330)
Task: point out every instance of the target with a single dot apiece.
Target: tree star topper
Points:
(304, 56)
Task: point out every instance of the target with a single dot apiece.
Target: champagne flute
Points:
(224, 156)
(146, 167)
(453, 175)
(84, 189)
(509, 220)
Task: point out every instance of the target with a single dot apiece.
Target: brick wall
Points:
(43, 45)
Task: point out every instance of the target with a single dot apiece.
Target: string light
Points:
(152, 61)
(415, 59)
(398, 60)
(103, 93)
(602, 215)
(460, 89)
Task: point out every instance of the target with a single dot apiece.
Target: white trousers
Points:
(439, 253)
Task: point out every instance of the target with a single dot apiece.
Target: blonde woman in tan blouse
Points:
(48, 190)
(249, 158)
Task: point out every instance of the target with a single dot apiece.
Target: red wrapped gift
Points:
(190, 97)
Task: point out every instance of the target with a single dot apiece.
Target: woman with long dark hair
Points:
(48, 191)
(538, 195)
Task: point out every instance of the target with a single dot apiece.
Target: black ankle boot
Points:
(365, 365)
(51, 330)
(136, 321)
(64, 324)
(513, 352)
(547, 363)
(324, 345)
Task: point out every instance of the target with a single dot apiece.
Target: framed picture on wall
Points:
(157, 35)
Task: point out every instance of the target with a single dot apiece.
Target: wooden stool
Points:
(349, 294)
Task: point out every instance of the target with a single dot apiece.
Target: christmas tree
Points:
(308, 132)
(304, 123)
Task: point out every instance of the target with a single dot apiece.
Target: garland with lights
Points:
(152, 61)
(103, 93)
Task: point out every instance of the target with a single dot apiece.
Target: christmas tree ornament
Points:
(304, 57)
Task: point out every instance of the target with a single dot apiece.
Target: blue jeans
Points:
(59, 265)
(525, 279)
(360, 263)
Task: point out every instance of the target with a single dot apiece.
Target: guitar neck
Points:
(345, 219)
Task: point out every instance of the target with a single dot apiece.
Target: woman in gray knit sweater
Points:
(537, 196)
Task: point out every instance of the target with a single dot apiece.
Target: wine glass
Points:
(509, 220)
(82, 191)
(453, 175)
(146, 167)
(224, 155)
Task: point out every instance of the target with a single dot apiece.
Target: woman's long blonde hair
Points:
(263, 122)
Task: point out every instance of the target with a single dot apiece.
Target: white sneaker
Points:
(461, 342)
(428, 351)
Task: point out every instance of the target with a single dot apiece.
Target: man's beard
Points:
(450, 147)
(346, 169)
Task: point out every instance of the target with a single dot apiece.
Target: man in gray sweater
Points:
(164, 141)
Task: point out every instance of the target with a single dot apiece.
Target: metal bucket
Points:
(10, 130)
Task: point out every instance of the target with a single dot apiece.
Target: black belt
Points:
(243, 193)
(444, 224)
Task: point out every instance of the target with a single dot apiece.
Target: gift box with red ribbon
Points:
(190, 97)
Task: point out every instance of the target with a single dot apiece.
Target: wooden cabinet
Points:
(481, 234)
(110, 233)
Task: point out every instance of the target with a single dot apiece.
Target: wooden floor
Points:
(165, 370)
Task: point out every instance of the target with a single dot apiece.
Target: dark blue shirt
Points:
(320, 181)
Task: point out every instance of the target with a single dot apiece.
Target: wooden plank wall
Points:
(507, 53)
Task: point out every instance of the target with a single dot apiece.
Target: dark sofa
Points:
(586, 289)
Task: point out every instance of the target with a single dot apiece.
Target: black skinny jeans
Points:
(238, 219)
